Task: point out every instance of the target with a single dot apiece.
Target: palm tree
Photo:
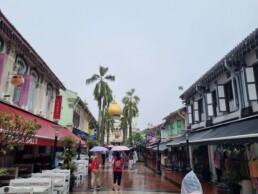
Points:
(124, 126)
(130, 108)
(102, 94)
(109, 121)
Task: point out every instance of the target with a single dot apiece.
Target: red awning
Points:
(46, 134)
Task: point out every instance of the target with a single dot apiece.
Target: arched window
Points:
(33, 85)
(49, 99)
(21, 71)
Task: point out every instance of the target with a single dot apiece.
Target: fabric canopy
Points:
(244, 131)
(81, 133)
(162, 147)
(46, 134)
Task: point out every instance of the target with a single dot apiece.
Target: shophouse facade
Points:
(76, 115)
(30, 89)
(175, 125)
(222, 114)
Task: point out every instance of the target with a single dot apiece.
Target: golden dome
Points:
(114, 109)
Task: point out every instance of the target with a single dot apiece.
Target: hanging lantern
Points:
(17, 80)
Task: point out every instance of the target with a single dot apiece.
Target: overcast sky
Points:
(151, 46)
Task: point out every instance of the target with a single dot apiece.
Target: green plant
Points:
(69, 152)
(70, 165)
(3, 171)
(16, 131)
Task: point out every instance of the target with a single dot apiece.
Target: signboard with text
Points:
(58, 107)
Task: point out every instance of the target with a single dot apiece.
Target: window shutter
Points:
(196, 112)
(250, 83)
(209, 104)
(2, 57)
(25, 89)
(189, 113)
(221, 98)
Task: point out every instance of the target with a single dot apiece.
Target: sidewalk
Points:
(177, 177)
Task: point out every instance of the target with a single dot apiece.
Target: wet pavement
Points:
(141, 180)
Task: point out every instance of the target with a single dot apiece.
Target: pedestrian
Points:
(110, 156)
(131, 160)
(103, 157)
(95, 172)
(118, 164)
(191, 184)
(135, 158)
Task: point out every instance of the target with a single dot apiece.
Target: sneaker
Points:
(98, 187)
(113, 189)
(91, 188)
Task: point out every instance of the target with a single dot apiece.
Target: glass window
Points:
(21, 71)
(49, 99)
(1, 44)
(33, 86)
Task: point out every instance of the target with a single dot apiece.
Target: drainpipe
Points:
(204, 105)
(239, 89)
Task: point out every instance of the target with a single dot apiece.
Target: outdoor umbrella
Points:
(120, 148)
(98, 149)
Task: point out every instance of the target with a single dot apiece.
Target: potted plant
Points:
(69, 152)
(3, 171)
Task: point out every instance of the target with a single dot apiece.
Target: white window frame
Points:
(250, 83)
(221, 98)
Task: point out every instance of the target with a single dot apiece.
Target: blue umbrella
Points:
(98, 149)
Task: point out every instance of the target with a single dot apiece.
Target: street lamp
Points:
(158, 158)
(56, 127)
(145, 151)
(188, 167)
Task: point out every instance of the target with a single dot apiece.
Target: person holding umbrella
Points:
(95, 171)
(118, 164)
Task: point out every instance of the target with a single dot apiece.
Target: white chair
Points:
(15, 190)
(67, 173)
(80, 174)
(39, 185)
(46, 175)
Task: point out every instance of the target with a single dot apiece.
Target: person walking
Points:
(118, 164)
(95, 172)
(135, 158)
(131, 160)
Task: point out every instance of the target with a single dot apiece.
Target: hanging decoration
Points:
(17, 80)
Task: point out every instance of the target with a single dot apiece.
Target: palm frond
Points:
(110, 77)
(103, 71)
(94, 78)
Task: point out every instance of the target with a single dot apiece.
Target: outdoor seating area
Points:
(54, 181)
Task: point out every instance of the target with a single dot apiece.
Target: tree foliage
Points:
(103, 95)
(16, 130)
(130, 109)
(69, 152)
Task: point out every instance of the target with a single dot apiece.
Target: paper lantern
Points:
(17, 80)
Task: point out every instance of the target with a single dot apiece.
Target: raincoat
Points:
(191, 184)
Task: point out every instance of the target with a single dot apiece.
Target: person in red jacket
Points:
(118, 165)
(95, 172)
